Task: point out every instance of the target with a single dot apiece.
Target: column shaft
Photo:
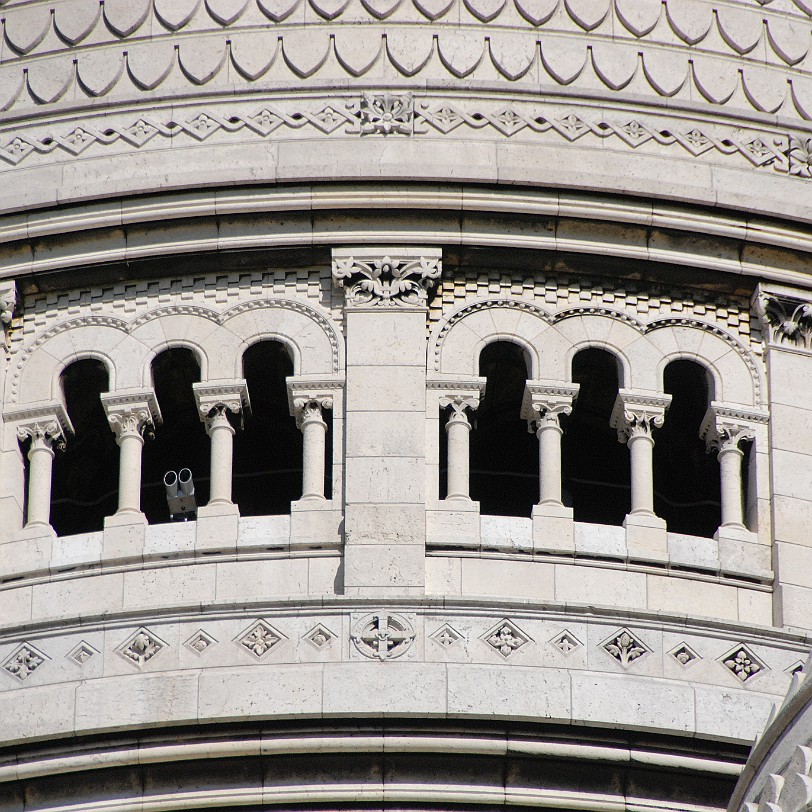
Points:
(130, 444)
(314, 431)
(221, 435)
(641, 449)
(730, 466)
(549, 436)
(40, 457)
(458, 430)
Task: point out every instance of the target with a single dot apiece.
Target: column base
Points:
(646, 537)
(314, 522)
(30, 551)
(741, 554)
(124, 535)
(454, 523)
(218, 528)
(553, 529)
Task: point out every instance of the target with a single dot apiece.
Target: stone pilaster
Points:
(635, 416)
(385, 323)
(786, 319)
(545, 403)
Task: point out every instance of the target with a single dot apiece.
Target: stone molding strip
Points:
(107, 757)
(740, 237)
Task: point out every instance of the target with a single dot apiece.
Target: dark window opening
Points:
(85, 474)
(595, 466)
(504, 455)
(686, 478)
(180, 440)
(268, 451)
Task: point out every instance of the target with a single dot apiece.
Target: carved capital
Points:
(47, 425)
(131, 412)
(785, 315)
(458, 395)
(545, 402)
(387, 277)
(216, 398)
(637, 414)
(307, 397)
(725, 426)
(8, 300)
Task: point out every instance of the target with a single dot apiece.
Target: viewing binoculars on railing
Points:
(180, 494)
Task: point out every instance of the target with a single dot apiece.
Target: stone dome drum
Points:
(405, 404)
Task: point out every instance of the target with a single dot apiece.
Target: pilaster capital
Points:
(458, 393)
(47, 424)
(388, 276)
(637, 414)
(307, 397)
(725, 426)
(131, 411)
(544, 402)
(786, 316)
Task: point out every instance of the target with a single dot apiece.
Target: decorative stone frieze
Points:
(401, 277)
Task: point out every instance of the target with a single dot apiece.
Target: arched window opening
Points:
(268, 451)
(686, 477)
(180, 440)
(85, 474)
(596, 468)
(504, 455)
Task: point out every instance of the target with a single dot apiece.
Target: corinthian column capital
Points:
(46, 424)
(215, 398)
(637, 414)
(726, 426)
(131, 412)
(545, 402)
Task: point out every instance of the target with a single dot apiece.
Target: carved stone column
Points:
(458, 432)
(385, 513)
(635, 416)
(545, 402)
(46, 427)
(214, 401)
(724, 429)
(130, 414)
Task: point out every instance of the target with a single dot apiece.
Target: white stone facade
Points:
(390, 191)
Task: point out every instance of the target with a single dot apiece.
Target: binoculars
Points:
(180, 494)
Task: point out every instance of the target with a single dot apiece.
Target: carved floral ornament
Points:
(387, 277)
(786, 317)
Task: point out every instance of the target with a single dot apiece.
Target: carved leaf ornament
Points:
(387, 282)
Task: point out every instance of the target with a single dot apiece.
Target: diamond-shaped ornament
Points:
(319, 637)
(684, 654)
(742, 663)
(24, 661)
(260, 638)
(81, 653)
(566, 642)
(505, 638)
(200, 641)
(141, 647)
(446, 636)
(625, 647)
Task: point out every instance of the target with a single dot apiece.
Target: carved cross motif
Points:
(399, 279)
(383, 635)
(505, 637)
